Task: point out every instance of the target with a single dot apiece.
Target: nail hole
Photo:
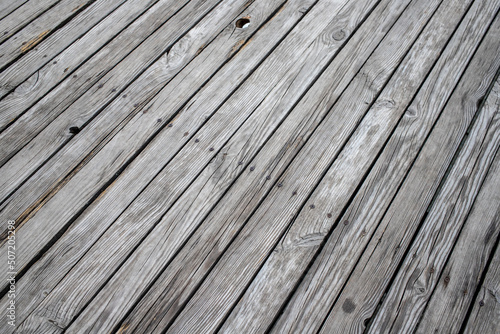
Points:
(74, 130)
(268, 177)
(252, 168)
(211, 149)
(196, 140)
(242, 23)
(312, 206)
(329, 215)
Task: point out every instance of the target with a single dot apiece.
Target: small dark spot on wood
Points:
(280, 185)
(5, 32)
(366, 322)
(170, 125)
(159, 120)
(268, 177)
(54, 62)
(240, 163)
(465, 292)
(348, 306)
(136, 105)
(329, 215)
(196, 140)
(432, 270)
(66, 69)
(447, 279)
(346, 222)
(252, 168)
(242, 23)
(44, 56)
(100, 86)
(74, 130)
(312, 206)
(294, 193)
(75, 76)
(186, 134)
(481, 303)
(363, 233)
(124, 96)
(23, 43)
(113, 90)
(211, 149)
(339, 35)
(421, 290)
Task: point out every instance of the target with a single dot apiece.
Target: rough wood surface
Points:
(249, 166)
(366, 285)
(317, 293)
(453, 295)
(59, 40)
(22, 16)
(30, 36)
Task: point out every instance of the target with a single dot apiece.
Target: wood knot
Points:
(242, 23)
(339, 35)
(348, 306)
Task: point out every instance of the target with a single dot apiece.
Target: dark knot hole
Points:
(242, 23)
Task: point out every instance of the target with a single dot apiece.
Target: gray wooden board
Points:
(44, 51)
(57, 134)
(242, 260)
(453, 294)
(367, 283)
(39, 29)
(485, 315)
(225, 45)
(188, 268)
(22, 16)
(131, 142)
(8, 6)
(290, 259)
(420, 271)
(316, 294)
(114, 66)
(216, 124)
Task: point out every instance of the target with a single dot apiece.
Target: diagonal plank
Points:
(84, 109)
(450, 300)
(289, 261)
(59, 40)
(30, 36)
(368, 281)
(212, 302)
(484, 317)
(22, 16)
(188, 269)
(8, 6)
(155, 195)
(316, 294)
(93, 225)
(422, 267)
(116, 64)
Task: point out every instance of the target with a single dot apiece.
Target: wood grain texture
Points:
(82, 111)
(241, 261)
(373, 272)
(289, 260)
(450, 300)
(58, 41)
(221, 48)
(8, 6)
(114, 67)
(22, 16)
(486, 311)
(30, 36)
(168, 294)
(319, 289)
(178, 174)
(421, 269)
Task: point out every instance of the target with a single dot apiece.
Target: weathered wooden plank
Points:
(156, 195)
(485, 316)
(47, 49)
(367, 283)
(319, 289)
(22, 16)
(84, 109)
(101, 68)
(214, 299)
(8, 6)
(31, 35)
(420, 271)
(450, 300)
(289, 261)
(226, 44)
(173, 288)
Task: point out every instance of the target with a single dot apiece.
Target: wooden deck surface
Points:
(250, 166)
